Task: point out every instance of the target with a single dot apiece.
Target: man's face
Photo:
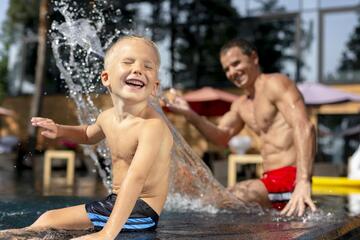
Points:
(241, 69)
(132, 72)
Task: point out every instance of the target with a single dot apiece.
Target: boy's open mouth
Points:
(135, 83)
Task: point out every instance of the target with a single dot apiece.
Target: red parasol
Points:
(209, 101)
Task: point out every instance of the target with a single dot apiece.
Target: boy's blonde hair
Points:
(110, 51)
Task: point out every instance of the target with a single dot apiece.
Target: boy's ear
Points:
(155, 88)
(105, 78)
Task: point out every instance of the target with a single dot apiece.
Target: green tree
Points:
(20, 13)
(350, 61)
(200, 28)
(271, 36)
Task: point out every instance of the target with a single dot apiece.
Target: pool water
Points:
(330, 222)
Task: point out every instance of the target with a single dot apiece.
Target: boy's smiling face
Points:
(131, 70)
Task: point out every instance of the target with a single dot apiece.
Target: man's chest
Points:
(259, 114)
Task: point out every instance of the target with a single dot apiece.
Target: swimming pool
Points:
(331, 222)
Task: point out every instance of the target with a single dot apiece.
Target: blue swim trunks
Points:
(142, 217)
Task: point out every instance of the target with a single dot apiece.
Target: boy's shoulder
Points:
(157, 127)
(105, 113)
(154, 123)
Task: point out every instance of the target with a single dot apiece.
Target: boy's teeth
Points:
(135, 83)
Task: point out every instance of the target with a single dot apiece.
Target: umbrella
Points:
(317, 94)
(209, 101)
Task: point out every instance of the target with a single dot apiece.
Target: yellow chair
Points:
(235, 159)
(69, 156)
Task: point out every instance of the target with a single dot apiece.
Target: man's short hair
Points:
(110, 51)
(246, 46)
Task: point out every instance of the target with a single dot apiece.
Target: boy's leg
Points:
(70, 218)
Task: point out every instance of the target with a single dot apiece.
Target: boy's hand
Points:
(93, 236)
(50, 127)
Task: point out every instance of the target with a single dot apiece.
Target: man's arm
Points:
(229, 125)
(83, 134)
(290, 103)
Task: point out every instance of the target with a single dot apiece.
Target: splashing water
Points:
(78, 53)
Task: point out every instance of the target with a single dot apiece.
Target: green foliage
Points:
(196, 28)
(20, 12)
(200, 29)
(3, 80)
(351, 56)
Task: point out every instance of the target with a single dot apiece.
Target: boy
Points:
(139, 141)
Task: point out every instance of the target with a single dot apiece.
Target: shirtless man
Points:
(274, 109)
(140, 144)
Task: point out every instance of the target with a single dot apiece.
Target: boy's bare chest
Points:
(258, 113)
(122, 139)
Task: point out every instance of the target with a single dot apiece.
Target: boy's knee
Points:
(44, 220)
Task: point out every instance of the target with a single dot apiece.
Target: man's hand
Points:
(300, 198)
(179, 105)
(51, 129)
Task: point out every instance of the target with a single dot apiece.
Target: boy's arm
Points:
(83, 134)
(152, 139)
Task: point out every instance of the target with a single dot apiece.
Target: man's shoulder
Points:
(275, 78)
(276, 82)
(238, 104)
(240, 100)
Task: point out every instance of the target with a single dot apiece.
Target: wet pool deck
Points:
(21, 193)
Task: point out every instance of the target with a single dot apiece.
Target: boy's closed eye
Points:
(128, 61)
(148, 66)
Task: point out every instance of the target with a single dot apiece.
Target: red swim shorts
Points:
(280, 183)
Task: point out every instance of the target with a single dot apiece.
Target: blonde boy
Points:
(140, 144)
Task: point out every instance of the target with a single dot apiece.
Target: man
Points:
(274, 109)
